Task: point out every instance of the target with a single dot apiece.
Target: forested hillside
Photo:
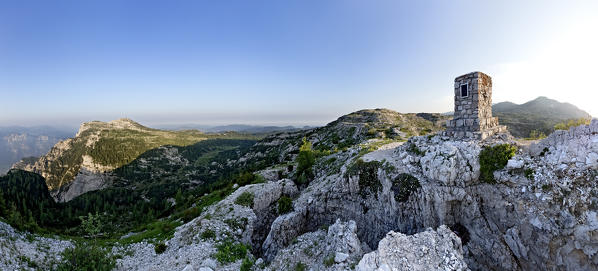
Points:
(100, 148)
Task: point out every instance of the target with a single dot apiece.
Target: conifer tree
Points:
(3, 209)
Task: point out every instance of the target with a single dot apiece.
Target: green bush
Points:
(572, 123)
(300, 267)
(305, 161)
(529, 173)
(86, 257)
(494, 158)
(237, 224)
(246, 264)
(372, 132)
(329, 261)
(403, 186)
(160, 248)
(191, 213)
(248, 178)
(415, 150)
(535, 134)
(544, 151)
(228, 252)
(245, 199)
(285, 205)
(208, 234)
(368, 176)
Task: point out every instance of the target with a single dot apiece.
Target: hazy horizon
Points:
(205, 121)
(293, 63)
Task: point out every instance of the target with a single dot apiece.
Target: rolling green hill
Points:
(541, 114)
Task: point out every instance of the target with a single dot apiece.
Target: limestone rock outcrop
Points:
(428, 250)
(540, 215)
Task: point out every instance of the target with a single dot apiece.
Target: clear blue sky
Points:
(281, 62)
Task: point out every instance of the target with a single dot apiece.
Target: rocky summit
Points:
(359, 194)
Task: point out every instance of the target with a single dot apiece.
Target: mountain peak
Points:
(544, 100)
(122, 123)
(125, 123)
(539, 114)
(124, 120)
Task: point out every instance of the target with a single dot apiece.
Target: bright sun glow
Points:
(563, 69)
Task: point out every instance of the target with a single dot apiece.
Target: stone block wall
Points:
(473, 112)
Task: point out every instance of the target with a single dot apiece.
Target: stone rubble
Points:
(17, 248)
(428, 250)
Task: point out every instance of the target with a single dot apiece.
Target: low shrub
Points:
(300, 267)
(368, 176)
(529, 173)
(535, 135)
(412, 148)
(245, 199)
(237, 224)
(246, 264)
(403, 185)
(208, 234)
(494, 158)
(159, 248)
(329, 261)
(544, 151)
(85, 256)
(248, 178)
(228, 252)
(572, 123)
(191, 213)
(285, 205)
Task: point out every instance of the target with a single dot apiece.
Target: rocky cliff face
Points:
(541, 215)
(83, 163)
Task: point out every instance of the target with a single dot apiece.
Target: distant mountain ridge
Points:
(540, 114)
(18, 142)
(239, 128)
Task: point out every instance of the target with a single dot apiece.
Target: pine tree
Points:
(3, 210)
(179, 199)
(14, 218)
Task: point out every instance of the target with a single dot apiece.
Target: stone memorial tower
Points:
(473, 108)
